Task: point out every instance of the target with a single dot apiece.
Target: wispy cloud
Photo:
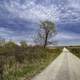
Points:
(64, 38)
(32, 11)
(70, 12)
(14, 36)
(67, 36)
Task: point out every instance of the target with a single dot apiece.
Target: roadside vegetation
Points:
(22, 62)
(75, 50)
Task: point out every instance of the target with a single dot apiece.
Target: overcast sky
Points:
(19, 19)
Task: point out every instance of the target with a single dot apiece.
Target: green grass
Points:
(25, 62)
(75, 50)
(37, 59)
(38, 64)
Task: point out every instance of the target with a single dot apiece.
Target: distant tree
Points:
(10, 44)
(10, 48)
(46, 31)
(23, 44)
(2, 41)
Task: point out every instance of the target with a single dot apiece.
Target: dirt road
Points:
(65, 67)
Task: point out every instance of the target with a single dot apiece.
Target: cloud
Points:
(32, 11)
(14, 36)
(16, 13)
(29, 10)
(5, 33)
(67, 36)
(64, 38)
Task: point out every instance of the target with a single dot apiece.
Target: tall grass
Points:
(23, 62)
(75, 50)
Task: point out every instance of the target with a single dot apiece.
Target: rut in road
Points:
(65, 67)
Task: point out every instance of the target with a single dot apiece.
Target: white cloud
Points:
(5, 31)
(75, 3)
(29, 10)
(65, 36)
(15, 36)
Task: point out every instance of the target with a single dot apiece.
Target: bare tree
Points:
(46, 31)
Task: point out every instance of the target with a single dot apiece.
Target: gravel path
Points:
(65, 67)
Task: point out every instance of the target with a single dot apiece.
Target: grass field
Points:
(75, 50)
(23, 62)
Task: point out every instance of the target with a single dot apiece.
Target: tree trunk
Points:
(46, 40)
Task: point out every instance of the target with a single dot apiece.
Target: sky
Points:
(19, 19)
